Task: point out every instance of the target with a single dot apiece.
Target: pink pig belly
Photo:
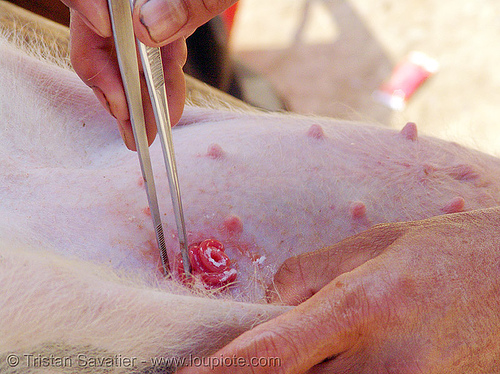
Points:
(267, 186)
(270, 187)
(73, 211)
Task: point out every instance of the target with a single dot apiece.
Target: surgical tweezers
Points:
(126, 44)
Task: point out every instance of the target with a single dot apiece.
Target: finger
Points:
(174, 57)
(175, 88)
(159, 22)
(94, 14)
(94, 60)
(335, 320)
(302, 276)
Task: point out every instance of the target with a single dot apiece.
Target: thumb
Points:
(94, 14)
(302, 276)
(159, 22)
(326, 325)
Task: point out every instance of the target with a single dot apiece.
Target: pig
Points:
(81, 286)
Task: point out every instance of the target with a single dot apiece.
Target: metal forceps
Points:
(125, 42)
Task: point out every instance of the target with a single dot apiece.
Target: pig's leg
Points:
(50, 305)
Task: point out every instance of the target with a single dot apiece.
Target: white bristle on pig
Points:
(78, 259)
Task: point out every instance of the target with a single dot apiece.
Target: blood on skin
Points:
(209, 263)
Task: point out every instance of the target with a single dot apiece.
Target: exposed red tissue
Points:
(209, 263)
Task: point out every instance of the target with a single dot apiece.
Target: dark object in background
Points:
(52, 9)
(209, 60)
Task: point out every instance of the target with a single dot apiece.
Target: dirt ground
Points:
(326, 57)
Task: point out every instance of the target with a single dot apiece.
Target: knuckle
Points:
(357, 305)
(378, 305)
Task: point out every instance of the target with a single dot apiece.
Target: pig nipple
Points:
(357, 209)
(455, 205)
(233, 224)
(316, 132)
(409, 131)
(215, 151)
(464, 173)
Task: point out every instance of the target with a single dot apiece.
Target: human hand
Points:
(157, 23)
(416, 297)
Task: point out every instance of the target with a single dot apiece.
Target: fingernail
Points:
(163, 18)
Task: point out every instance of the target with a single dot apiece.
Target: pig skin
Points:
(79, 267)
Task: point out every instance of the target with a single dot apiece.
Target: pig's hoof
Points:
(209, 264)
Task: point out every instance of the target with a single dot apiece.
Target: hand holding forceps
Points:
(126, 48)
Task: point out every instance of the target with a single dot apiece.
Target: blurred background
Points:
(327, 57)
